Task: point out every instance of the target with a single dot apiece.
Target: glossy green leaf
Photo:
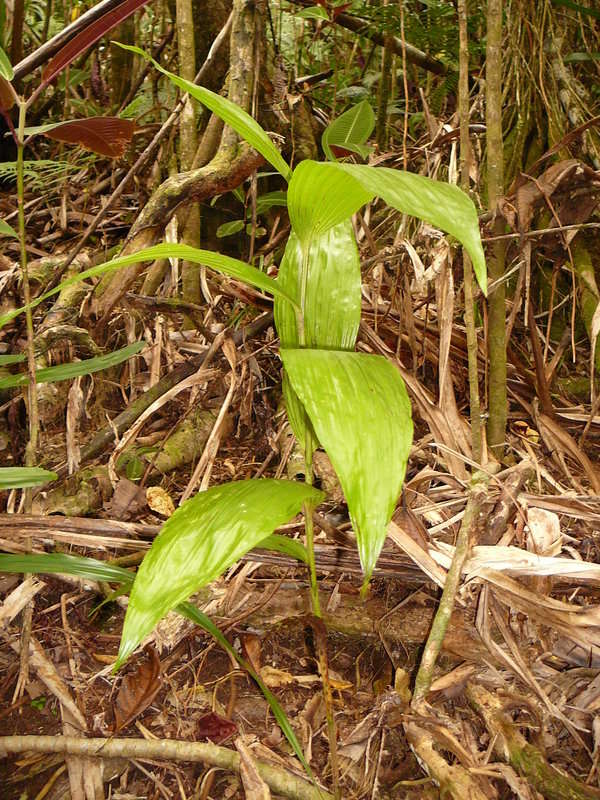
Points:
(59, 563)
(321, 195)
(22, 477)
(331, 302)
(7, 230)
(64, 372)
(204, 537)
(440, 204)
(283, 544)
(361, 413)
(234, 116)
(217, 261)
(6, 70)
(350, 130)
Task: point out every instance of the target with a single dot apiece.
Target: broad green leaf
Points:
(321, 195)
(204, 537)
(234, 116)
(229, 228)
(350, 130)
(445, 206)
(64, 372)
(22, 477)
(6, 70)
(283, 544)
(331, 302)
(7, 230)
(221, 263)
(361, 413)
(59, 563)
(313, 12)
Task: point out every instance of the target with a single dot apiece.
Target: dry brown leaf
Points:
(138, 690)
(160, 501)
(216, 728)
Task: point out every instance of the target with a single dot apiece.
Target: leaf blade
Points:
(346, 396)
(350, 130)
(200, 540)
(234, 116)
(65, 372)
(24, 477)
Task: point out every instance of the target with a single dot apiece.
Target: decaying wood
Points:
(284, 783)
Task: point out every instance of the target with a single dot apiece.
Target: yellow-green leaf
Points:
(204, 537)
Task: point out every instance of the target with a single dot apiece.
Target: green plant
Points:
(353, 404)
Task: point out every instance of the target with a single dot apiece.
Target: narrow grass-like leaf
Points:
(60, 563)
(217, 261)
(17, 358)
(361, 413)
(204, 537)
(221, 263)
(195, 615)
(234, 116)
(7, 230)
(22, 477)
(350, 130)
(64, 372)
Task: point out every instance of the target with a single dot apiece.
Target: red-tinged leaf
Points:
(88, 37)
(337, 10)
(217, 729)
(138, 690)
(107, 136)
(7, 95)
(340, 152)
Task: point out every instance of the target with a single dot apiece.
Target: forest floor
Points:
(524, 626)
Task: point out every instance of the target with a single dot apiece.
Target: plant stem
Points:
(31, 448)
(435, 639)
(465, 162)
(309, 526)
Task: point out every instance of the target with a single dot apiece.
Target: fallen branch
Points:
(511, 746)
(280, 781)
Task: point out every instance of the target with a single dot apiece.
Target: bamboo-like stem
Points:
(33, 415)
(497, 395)
(465, 163)
(442, 617)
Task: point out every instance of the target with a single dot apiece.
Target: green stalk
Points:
(31, 449)
(309, 526)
